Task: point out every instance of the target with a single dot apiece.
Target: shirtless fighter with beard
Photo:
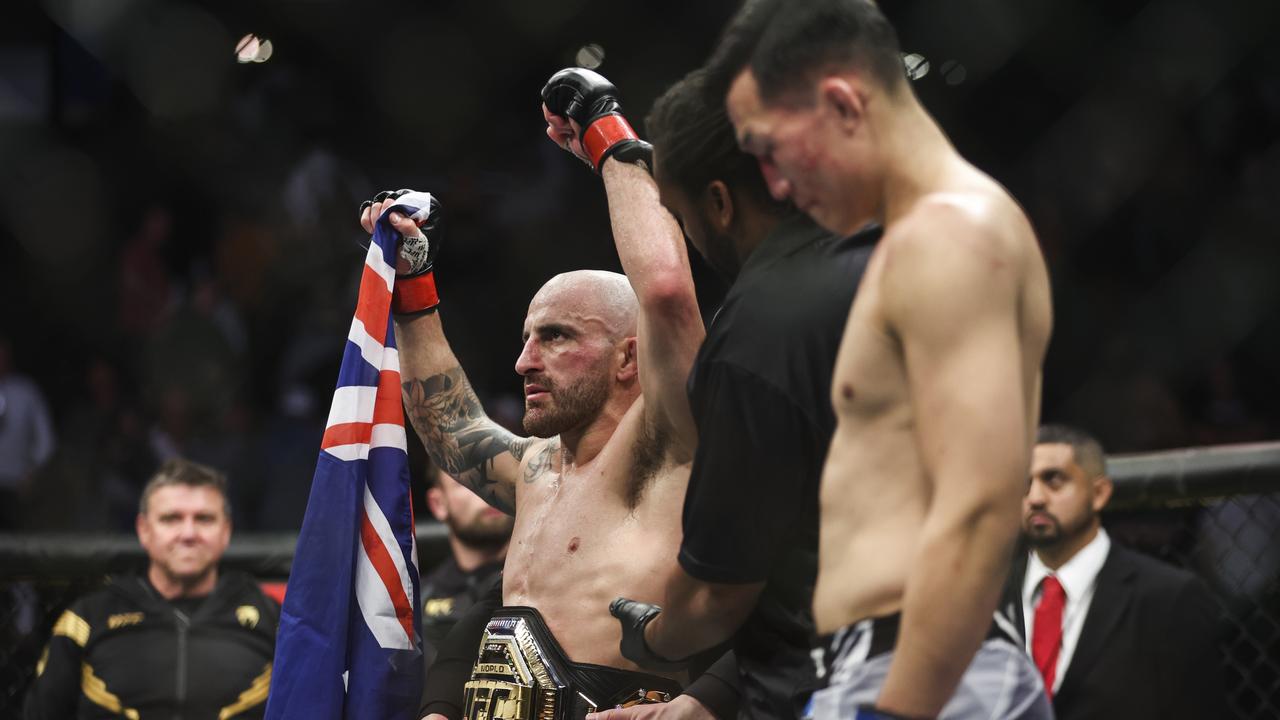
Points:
(597, 488)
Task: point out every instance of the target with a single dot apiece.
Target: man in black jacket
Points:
(1114, 633)
(182, 641)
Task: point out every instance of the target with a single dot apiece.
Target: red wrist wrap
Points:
(414, 294)
(603, 134)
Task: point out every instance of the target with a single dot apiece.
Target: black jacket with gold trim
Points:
(124, 651)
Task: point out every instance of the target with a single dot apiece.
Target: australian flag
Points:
(350, 643)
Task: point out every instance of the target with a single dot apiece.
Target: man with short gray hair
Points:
(181, 640)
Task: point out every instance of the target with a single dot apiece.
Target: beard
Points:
(570, 407)
(483, 533)
(723, 259)
(718, 250)
(1044, 535)
(1057, 532)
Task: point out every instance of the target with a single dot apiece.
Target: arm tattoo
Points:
(458, 435)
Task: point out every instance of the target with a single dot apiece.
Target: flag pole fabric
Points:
(349, 645)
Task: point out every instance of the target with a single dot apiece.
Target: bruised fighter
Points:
(936, 384)
(937, 381)
(596, 489)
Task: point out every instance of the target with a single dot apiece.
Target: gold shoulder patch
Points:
(256, 694)
(95, 689)
(436, 607)
(72, 626)
(121, 619)
(248, 616)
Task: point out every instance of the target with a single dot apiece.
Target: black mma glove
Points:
(635, 617)
(587, 98)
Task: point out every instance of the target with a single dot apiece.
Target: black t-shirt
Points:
(760, 391)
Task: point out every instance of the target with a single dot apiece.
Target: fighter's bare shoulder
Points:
(955, 245)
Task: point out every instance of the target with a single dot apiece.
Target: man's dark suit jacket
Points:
(1149, 646)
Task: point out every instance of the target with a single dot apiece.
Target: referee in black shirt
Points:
(760, 391)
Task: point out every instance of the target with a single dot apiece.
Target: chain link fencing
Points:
(1214, 511)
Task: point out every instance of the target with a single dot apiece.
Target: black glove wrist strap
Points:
(637, 152)
(635, 617)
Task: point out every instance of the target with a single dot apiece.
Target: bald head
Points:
(579, 351)
(592, 296)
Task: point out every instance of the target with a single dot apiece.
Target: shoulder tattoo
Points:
(541, 461)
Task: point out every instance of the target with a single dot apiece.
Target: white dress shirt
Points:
(1079, 578)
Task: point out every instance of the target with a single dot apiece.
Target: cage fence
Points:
(1214, 511)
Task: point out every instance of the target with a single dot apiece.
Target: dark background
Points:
(179, 247)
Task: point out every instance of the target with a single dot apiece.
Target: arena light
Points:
(589, 56)
(953, 73)
(253, 49)
(917, 65)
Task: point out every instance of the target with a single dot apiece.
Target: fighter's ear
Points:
(629, 360)
(844, 98)
(719, 204)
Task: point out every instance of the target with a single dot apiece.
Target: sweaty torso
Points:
(875, 492)
(585, 537)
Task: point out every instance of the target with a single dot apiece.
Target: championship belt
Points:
(522, 673)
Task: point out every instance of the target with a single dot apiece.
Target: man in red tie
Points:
(1113, 633)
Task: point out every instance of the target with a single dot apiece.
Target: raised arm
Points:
(950, 288)
(654, 258)
(447, 415)
(649, 241)
(439, 400)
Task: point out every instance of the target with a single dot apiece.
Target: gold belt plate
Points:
(511, 679)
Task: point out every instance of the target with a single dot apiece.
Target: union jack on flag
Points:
(350, 643)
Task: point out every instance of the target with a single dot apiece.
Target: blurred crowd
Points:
(179, 250)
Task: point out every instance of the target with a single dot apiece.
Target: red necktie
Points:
(1046, 633)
